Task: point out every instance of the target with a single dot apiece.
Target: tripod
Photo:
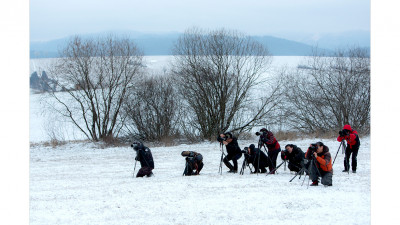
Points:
(307, 171)
(133, 174)
(222, 157)
(245, 163)
(270, 172)
(343, 145)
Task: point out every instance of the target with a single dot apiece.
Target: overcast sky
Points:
(50, 19)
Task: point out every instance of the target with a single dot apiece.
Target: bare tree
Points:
(328, 92)
(96, 75)
(218, 74)
(153, 110)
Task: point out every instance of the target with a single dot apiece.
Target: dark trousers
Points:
(272, 156)
(353, 152)
(294, 167)
(326, 177)
(190, 168)
(261, 167)
(144, 171)
(234, 159)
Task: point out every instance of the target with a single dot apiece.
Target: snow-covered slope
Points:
(86, 184)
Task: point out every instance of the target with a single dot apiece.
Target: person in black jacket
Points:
(294, 155)
(233, 149)
(253, 155)
(194, 163)
(143, 154)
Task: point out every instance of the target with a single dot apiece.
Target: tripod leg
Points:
(133, 174)
(243, 165)
(258, 163)
(295, 176)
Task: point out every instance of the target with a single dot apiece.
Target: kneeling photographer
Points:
(321, 160)
(256, 157)
(194, 163)
(233, 149)
(143, 154)
(295, 156)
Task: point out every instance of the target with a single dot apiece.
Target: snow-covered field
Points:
(83, 183)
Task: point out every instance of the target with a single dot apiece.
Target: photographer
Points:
(194, 163)
(321, 161)
(233, 149)
(143, 154)
(252, 155)
(267, 138)
(353, 144)
(294, 155)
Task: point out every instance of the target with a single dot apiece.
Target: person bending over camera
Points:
(233, 149)
(295, 156)
(194, 163)
(256, 157)
(353, 144)
(321, 161)
(143, 154)
(267, 138)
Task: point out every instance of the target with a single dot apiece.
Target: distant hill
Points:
(161, 44)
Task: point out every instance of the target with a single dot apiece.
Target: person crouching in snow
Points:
(233, 149)
(321, 160)
(258, 158)
(144, 156)
(294, 155)
(194, 163)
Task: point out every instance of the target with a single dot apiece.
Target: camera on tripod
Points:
(343, 133)
(245, 151)
(220, 139)
(313, 148)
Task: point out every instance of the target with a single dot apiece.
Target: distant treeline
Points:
(163, 44)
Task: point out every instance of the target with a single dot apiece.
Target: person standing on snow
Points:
(267, 138)
(353, 144)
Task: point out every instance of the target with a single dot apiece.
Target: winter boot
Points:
(314, 183)
(354, 171)
(229, 165)
(345, 171)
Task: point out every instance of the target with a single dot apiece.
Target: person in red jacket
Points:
(321, 160)
(267, 138)
(353, 144)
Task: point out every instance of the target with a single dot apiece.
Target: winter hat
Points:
(347, 127)
(252, 146)
(264, 130)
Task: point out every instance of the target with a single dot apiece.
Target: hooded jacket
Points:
(268, 138)
(352, 138)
